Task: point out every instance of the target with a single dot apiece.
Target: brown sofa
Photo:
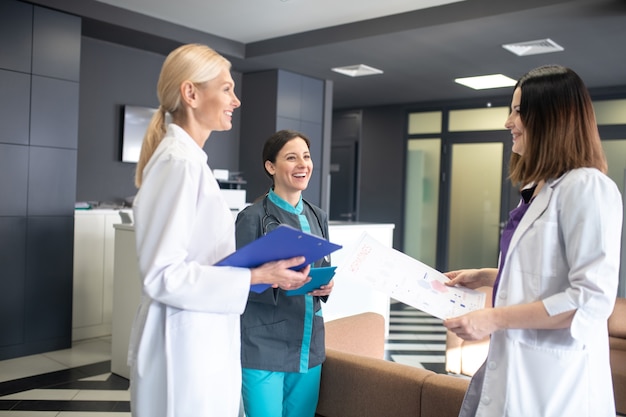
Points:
(357, 382)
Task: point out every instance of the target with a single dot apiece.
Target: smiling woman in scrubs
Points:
(283, 336)
(185, 343)
(559, 264)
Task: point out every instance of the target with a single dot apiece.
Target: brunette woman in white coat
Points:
(557, 280)
(185, 344)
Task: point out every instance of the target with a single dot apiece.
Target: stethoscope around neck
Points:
(271, 222)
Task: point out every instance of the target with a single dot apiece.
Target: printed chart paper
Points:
(407, 279)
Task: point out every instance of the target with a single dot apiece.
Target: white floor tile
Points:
(432, 347)
(408, 313)
(27, 366)
(43, 394)
(102, 395)
(415, 320)
(83, 352)
(423, 328)
(417, 360)
(416, 336)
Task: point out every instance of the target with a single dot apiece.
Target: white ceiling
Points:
(255, 20)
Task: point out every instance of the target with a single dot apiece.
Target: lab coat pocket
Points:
(201, 342)
(547, 382)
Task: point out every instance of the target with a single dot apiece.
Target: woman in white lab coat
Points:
(559, 264)
(184, 351)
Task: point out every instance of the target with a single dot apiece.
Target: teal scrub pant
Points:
(280, 394)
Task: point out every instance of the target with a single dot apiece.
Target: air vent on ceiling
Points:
(541, 46)
(359, 70)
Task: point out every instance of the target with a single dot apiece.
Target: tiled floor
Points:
(65, 383)
(77, 382)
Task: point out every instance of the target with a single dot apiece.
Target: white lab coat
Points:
(565, 252)
(184, 351)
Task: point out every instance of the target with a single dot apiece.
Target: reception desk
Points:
(347, 298)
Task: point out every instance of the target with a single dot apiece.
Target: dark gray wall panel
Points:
(54, 113)
(14, 107)
(51, 182)
(223, 147)
(289, 95)
(13, 180)
(36, 253)
(48, 285)
(12, 260)
(56, 44)
(16, 35)
(283, 93)
(111, 76)
(289, 123)
(383, 145)
(312, 100)
(258, 122)
(314, 132)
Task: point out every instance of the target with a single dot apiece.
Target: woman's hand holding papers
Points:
(473, 326)
(472, 278)
(278, 274)
(477, 324)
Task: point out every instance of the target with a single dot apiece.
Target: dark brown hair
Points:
(560, 126)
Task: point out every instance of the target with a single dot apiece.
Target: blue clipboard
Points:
(319, 277)
(281, 243)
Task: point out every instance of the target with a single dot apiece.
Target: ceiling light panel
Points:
(484, 82)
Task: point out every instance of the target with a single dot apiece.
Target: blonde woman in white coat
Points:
(185, 343)
(558, 275)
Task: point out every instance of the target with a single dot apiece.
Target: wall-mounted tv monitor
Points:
(136, 121)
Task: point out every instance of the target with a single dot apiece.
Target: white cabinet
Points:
(126, 295)
(94, 249)
(93, 272)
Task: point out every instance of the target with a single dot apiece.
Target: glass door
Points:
(478, 192)
(474, 205)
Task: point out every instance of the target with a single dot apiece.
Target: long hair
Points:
(192, 62)
(560, 126)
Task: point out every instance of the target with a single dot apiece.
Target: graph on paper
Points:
(406, 279)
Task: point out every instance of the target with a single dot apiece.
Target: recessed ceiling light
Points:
(357, 70)
(484, 82)
(540, 46)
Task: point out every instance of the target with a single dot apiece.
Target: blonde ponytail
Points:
(154, 135)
